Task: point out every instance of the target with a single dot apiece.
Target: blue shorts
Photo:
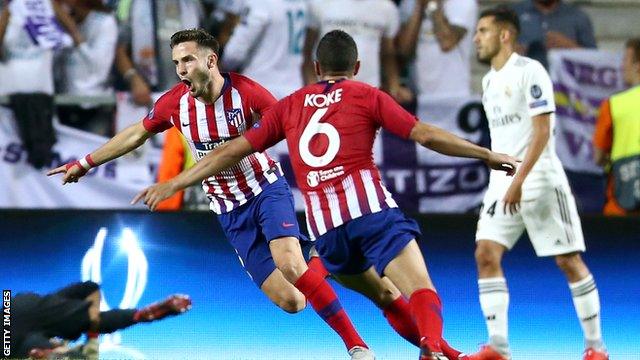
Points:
(370, 240)
(250, 227)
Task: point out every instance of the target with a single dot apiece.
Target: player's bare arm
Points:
(125, 141)
(539, 139)
(308, 70)
(216, 161)
(447, 34)
(446, 143)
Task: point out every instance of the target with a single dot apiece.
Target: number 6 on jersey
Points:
(313, 128)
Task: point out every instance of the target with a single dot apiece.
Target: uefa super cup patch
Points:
(234, 117)
(537, 104)
(150, 114)
(536, 92)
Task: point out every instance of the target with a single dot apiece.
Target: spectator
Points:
(176, 157)
(374, 25)
(436, 36)
(86, 68)
(29, 33)
(229, 12)
(267, 45)
(143, 57)
(552, 24)
(616, 135)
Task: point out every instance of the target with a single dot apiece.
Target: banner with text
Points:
(582, 79)
(421, 180)
(111, 185)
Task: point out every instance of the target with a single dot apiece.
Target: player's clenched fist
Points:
(73, 170)
(153, 195)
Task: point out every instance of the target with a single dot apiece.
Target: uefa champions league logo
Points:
(137, 269)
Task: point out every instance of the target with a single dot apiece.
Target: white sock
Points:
(587, 303)
(494, 301)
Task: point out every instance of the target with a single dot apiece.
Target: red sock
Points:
(325, 302)
(448, 351)
(426, 309)
(398, 314)
(316, 264)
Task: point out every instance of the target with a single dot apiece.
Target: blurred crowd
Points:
(416, 50)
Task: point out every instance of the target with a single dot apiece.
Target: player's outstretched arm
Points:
(216, 161)
(446, 143)
(124, 142)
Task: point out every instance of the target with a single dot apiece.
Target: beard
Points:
(486, 60)
(486, 57)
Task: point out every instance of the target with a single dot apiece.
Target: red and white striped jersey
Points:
(330, 128)
(207, 126)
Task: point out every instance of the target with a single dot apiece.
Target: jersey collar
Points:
(512, 59)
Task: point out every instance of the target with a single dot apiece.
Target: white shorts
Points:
(550, 218)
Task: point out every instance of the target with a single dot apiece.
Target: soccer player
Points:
(72, 311)
(252, 199)
(330, 128)
(518, 100)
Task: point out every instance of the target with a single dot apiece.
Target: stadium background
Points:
(232, 319)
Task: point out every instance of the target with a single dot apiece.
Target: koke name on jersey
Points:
(323, 100)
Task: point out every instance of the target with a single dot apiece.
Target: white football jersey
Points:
(367, 21)
(232, 6)
(438, 74)
(512, 96)
(267, 44)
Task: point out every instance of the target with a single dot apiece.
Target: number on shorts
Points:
(492, 209)
(313, 128)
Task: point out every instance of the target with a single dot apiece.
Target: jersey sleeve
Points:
(603, 132)
(406, 10)
(391, 116)
(462, 13)
(232, 6)
(268, 131)
(159, 118)
(245, 36)
(261, 99)
(538, 89)
(393, 21)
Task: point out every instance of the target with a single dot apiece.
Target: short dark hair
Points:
(337, 52)
(503, 15)
(201, 37)
(634, 45)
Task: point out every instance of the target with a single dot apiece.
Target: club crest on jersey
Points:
(313, 178)
(536, 92)
(234, 117)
